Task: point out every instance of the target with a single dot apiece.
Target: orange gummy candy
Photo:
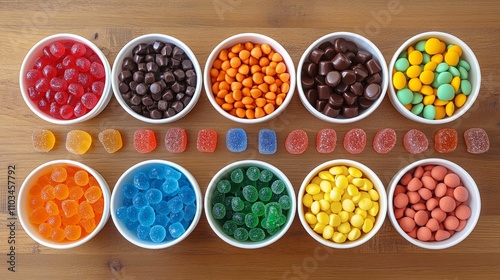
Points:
(45, 230)
(38, 216)
(59, 174)
(57, 234)
(73, 232)
(69, 207)
(111, 140)
(98, 206)
(78, 142)
(85, 210)
(73, 220)
(43, 140)
(52, 208)
(47, 193)
(88, 225)
(36, 189)
(55, 221)
(81, 178)
(93, 193)
(61, 191)
(75, 193)
(36, 202)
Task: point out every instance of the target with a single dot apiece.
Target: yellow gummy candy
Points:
(43, 140)
(78, 142)
(111, 140)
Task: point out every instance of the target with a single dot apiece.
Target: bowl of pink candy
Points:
(64, 79)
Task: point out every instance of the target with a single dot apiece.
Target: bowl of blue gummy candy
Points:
(250, 204)
(156, 204)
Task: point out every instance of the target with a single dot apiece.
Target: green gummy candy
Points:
(259, 208)
(217, 197)
(256, 234)
(445, 92)
(278, 186)
(405, 96)
(239, 218)
(224, 186)
(273, 231)
(465, 87)
(266, 176)
(253, 173)
(265, 194)
(429, 112)
(285, 202)
(401, 64)
(250, 193)
(251, 220)
(273, 208)
(219, 211)
(241, 234)
(237, 175)
(237, 204)
(229, 227)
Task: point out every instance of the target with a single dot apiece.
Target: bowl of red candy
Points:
(64, 79)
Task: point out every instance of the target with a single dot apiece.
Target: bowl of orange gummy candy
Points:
(63, 204)
(249, 78)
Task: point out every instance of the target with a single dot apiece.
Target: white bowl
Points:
(377, 185)
(217, 227)
(474, 76)
(126, 51)
(474, 203)
(363, 44)
(23, 210)
(117, 199)
(255, 39)
(37, 50)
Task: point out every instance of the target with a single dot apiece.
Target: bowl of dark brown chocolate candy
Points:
(342, 77)
(156, 78)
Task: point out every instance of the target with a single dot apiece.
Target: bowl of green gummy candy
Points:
(250, 204)
(435, 78)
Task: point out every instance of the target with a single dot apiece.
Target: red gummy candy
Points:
(296, 142)
(144, 141)
(97, 70)
(207, 141)
(355, 140)
(82, 64)
(384, 140)
(445, 140)
(49, 71)
(89, 100)
(326, 141)
(415, 141)
(78, 50)
(57, 49)
(476, 140)
(176, 140)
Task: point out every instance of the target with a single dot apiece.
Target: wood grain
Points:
(202, 25)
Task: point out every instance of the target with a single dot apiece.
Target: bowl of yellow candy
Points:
(435, 78)
(342, 203)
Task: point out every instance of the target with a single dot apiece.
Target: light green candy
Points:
(420, 46)
(464, 64)
(429, 112)
(465, 87)
(403, 55)
(401, 64)
(441, 67)
(426, 58)
(445, 92)
(464, 74)
(417, 98)
(417, 109)
(444, 78)
(454, 71)
(405, 96)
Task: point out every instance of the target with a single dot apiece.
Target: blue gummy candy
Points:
(176, 217)
(162, 208)
(140, 200)
(146, 216)
(187, 195)
(132, 225)
(236, 140)
(176, 230)
(157, 184)
(161, 220)
(170, 186)
(143, 232)
(121, 213)
(141, 181)
(172, 173)
(157, 233)
(153, 196)
(132, 213)
(157, 172)
(129, 190)
(267, 142)
(175, 204)
(189, 212)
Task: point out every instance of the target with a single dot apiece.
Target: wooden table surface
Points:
(202, 25)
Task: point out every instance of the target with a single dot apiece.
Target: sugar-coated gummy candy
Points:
(207, 141)
(296, 142)
(78, 142)
(229, 227)
(355, 141)
(476, 140)
(241, 234)
(445, 140)
(111, 140)
(415, 141)
(384, 140)
(236, 140)
(157, 233)
(326, 141)
(144, 141)
(176, 140)
(43, 140)
(176, 230)
(268, 143)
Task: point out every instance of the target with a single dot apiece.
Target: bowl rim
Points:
(377, 184)
(471, 98)
(35, 49)
(23, 194)
(244, 37)
(474, 195)
(126, 233)
(125, 52)
(249, 244)
(375, 52)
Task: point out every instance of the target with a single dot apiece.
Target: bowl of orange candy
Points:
(63, 204)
